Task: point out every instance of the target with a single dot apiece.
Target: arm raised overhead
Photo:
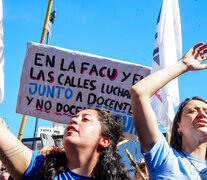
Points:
(143, 114)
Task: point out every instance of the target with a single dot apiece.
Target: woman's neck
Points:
(82, 161)
(196, 148)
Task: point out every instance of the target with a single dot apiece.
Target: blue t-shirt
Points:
(32, 170)
(164, 162)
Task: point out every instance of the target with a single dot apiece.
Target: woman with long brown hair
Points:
(186, 157)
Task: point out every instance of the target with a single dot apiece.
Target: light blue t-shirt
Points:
(32, 170)
(164, 162)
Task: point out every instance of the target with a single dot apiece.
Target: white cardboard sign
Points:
(57, 83)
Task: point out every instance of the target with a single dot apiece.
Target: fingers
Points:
(199, 50)
(195, 56)
(204, 57)
(197, 45)
(46, 150)
(61, 149)
(195, 49)
(203, 66)
(202, 50)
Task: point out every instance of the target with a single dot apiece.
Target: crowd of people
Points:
(90, 140)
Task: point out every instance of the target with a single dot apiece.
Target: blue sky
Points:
(118, 29)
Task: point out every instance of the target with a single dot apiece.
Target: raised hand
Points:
(195, 56)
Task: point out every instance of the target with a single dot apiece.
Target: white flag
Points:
(1, 55)
(167, 51)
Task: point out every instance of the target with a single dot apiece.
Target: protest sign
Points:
(57, 83)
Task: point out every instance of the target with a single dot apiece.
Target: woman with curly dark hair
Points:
(108, 166)
(90, 152)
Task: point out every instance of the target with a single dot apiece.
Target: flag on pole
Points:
(167, 51)
(1, 55)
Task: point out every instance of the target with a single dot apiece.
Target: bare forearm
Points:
(152, 83)
(143, 114)
(14, 155)
(145, 122)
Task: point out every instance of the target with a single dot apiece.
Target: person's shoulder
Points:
(35, 161)
(33, 166)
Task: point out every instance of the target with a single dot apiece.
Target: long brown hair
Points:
(109, 166)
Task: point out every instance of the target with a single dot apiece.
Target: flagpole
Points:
(134, 164)
(42, 42)
(50, 22)
(44, 31)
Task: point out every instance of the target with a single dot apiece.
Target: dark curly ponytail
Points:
(109, 166)
(52, 165)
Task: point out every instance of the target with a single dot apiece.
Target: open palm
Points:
(195, 56)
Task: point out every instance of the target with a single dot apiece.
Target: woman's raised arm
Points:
(143, 114)
(15, 156)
